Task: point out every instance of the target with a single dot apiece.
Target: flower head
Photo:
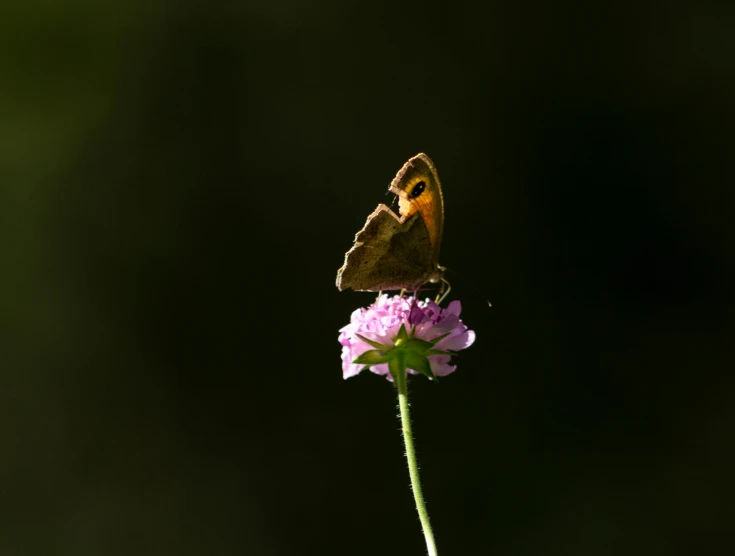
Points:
(423, 331)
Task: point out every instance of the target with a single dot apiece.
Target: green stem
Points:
(413, 467)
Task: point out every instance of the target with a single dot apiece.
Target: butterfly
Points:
(394, 252)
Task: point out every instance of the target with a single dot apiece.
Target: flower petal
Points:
(440, 365)
(455, 342)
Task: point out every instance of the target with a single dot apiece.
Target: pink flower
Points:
(437, 329)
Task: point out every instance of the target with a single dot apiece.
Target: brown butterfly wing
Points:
(388, 254)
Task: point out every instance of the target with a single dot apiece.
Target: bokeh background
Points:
(179, 184)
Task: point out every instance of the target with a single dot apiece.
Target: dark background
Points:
(180, 183)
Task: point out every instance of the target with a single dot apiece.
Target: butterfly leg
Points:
(415, 297)
(443, 294)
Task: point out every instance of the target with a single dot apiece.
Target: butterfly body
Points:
(394, 252)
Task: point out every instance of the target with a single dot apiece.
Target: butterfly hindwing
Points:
(387, 254)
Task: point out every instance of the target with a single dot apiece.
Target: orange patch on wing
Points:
(424, 204)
